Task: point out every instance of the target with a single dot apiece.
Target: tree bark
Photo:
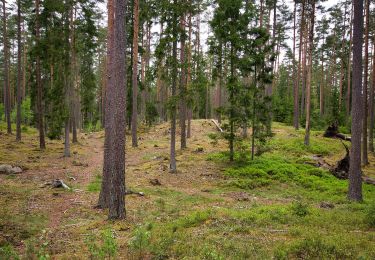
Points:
(188, 80)
(6, 71)
(355, 179)
(135, 72)
(19, 71)
(104, 191)
(116, 124)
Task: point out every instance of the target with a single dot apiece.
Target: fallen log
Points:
(341, 170)
(217, 125)
(332, 131)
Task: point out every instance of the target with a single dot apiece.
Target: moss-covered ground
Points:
(278, 206)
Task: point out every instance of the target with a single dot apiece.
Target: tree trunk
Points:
(67, 141)
(104, 191)
(39, 87)
(355, 179)
(135, 72)
(183, 84)
(309, 74)
(115, 126)
(188, 80)
(19, 72)
(6, 72)
(365, 87)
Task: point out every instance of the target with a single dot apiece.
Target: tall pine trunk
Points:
(135, 72)
(355, 173)
(6, 72)
(116, 123)
(104, 191)
(19, 72)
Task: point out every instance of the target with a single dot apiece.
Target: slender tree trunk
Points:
(355, 178)
(188, 80)
(19, 72)
(6, 71)
(39, 87)
(365, 86)
(342, 63)
(183, 84)
(371, 105)
(309, 74)
(104, 191)
(135, 72)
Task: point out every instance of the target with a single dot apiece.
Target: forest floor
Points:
(281, 205)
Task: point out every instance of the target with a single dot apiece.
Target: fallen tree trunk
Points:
(332, 131)
(341, 170)
(217, 125)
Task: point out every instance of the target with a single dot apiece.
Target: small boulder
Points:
(9, 169)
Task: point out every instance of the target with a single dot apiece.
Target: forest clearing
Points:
(187, 129)
(278, 206)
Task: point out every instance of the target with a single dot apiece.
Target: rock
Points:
(5, 168)
(16, 170)
(155, 182)
(326, 205)
(9, 169)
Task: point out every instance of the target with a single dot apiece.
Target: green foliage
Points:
(8, 253)
(300, 209)
(95, 185)
(313, 248)
(103, 247)
(151, 113)
(139, 244)
(93, 127)
(26, 112)
(370, 214)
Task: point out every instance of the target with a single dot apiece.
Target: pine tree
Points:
(355, 178)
